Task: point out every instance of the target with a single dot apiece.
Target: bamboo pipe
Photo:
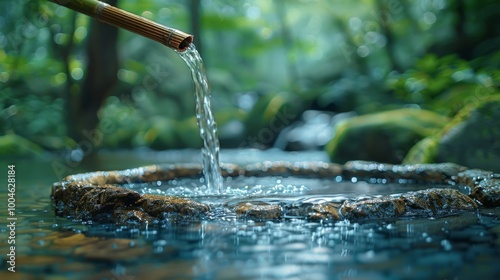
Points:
(167, 36)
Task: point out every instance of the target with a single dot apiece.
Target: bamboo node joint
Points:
(99, 9)
(170, 37)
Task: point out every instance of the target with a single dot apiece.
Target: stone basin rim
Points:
(96, 196)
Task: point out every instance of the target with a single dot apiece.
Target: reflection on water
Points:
(455, 247)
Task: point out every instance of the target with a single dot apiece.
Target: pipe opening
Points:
(185, 43)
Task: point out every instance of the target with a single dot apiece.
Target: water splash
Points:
(205, 120)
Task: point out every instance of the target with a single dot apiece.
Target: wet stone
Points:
(487, 192)
(158, 205)
(101, 201)
(472, 177)
(230, 170)
(376, 208)
(102, 196)
(429, 173)
(169, 172)
(297, 211)
(426, 203)
(109, 202)
(437, 202)
(284, 168)
(131, 216)
(258, 211)
(324, 211)
(67, 196)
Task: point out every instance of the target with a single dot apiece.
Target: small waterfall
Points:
(205, 120)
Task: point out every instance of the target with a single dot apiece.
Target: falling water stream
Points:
(205, 120)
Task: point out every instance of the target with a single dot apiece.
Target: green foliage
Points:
(438, 82)
(14, 145)
(329, 55)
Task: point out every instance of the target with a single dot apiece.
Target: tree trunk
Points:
(100, 76)
(195, 18)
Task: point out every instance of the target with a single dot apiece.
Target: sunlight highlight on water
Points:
(205, 120)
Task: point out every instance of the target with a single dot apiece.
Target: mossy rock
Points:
(15, 145)
(383, 137)
(424, 151)
(471, 139)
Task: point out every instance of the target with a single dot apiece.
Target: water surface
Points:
(465, 246)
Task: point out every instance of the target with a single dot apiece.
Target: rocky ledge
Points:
(101, 196)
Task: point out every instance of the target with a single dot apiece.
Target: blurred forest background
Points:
(282, 73)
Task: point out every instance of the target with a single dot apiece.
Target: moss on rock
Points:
(383, 137)
(471, 139)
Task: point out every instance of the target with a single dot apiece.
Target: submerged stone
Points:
(324, 211)
(110, 250)
(258, 211)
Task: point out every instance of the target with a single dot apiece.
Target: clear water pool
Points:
(461, 246)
